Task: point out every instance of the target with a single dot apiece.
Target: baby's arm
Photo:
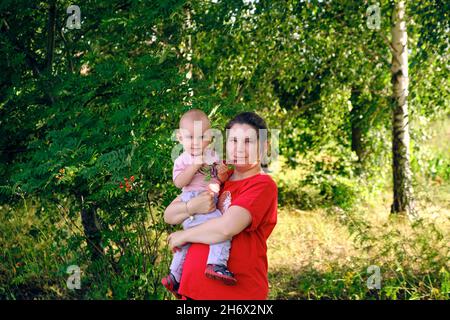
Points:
(185, 177)
(223, 172)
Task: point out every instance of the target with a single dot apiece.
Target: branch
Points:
(30, 57)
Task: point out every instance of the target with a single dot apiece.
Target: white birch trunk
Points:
(188, 55)
(402, 176)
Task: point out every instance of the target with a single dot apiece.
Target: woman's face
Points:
(242, 146)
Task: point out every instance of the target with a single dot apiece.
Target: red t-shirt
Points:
(248, 255)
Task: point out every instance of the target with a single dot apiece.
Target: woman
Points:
(248, 201)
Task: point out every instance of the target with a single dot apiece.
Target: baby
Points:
(196, 170)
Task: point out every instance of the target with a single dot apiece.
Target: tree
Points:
(115, 93)
(402, 176)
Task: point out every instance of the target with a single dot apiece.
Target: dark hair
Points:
(254, 120)
(249, 118)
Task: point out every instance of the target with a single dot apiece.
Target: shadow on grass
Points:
(346, 284)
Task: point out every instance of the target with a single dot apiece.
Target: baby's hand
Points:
(214, 188)
(198, 162)
(222, 172)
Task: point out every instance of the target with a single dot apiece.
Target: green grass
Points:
(320, 249)
(38, 245)
(324, 254)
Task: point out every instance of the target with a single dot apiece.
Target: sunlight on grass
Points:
(324, 252)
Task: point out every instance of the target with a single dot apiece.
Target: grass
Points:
(38, 244)
(317, 254)
(318, 249)
(323, 252)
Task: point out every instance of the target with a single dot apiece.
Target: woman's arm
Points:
(178, 211)
(235, 220)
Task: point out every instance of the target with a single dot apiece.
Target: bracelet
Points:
(186, 208)
(191, 217)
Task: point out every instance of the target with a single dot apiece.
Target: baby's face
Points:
(194, 136)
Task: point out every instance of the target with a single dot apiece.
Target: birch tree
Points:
(403, 192)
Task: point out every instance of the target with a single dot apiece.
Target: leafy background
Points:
(81, 110)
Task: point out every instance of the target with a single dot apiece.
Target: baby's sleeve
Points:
(178, 167)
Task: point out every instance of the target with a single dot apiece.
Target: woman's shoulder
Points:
(262, 180)
(264, 177)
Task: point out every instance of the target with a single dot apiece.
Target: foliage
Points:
(87, 120)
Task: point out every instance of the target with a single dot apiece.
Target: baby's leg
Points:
(217, 264)
(176, 267)
(219, 253)
(200, 218)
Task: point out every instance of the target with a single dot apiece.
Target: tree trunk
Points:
(91, 231)
(358, 146)
(188, 54)
(51, 36)
(403, 193)
(51, 29)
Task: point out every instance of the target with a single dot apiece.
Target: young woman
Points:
(248, 202)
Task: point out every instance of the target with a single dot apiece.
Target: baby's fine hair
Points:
(194, 115)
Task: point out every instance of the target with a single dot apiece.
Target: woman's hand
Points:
(203, 203)
(175, 240)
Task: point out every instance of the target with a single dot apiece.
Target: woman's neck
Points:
(239, 175)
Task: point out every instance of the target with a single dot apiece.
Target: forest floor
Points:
(313, 254)
(324, 253)
(316, 251)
